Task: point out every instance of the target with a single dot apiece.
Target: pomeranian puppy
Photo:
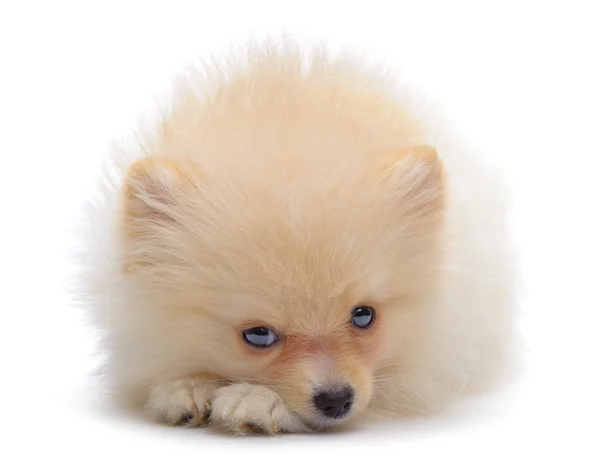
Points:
(294, 247)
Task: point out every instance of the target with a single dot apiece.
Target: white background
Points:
(520, 80)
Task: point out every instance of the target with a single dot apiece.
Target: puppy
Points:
(295, 247)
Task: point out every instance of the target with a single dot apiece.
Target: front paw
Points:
(181, 402)
(247, 408)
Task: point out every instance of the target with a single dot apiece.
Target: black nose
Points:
(334, 403)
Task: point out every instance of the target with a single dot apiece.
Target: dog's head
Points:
(306, 282)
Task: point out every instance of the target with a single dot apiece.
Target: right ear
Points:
(417, 176)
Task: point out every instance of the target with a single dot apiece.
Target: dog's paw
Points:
(181, 402)
(247, 408)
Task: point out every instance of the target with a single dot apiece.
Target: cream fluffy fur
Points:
(282, 189)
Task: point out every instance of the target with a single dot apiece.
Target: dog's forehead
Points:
(313, 309)
(316, 321)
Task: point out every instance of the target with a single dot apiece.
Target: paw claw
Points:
(187, 418)
(182, 403)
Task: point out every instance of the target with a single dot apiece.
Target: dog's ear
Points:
(153, 209)
(416, 175)
(151, 194)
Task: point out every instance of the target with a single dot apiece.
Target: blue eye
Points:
(362, 316)
(260, 337)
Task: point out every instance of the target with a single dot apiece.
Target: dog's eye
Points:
(260, 337)
(362, 316)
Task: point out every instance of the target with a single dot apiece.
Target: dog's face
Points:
(306, 283)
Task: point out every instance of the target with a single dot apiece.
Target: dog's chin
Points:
(320, 423)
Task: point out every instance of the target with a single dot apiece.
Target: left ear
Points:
(151, 192)
(416, 174)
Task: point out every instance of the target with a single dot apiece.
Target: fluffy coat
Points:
(283, 188)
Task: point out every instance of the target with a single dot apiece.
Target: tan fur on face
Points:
(281, 194)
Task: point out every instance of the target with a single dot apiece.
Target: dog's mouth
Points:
(316, 423)
(322, 424)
